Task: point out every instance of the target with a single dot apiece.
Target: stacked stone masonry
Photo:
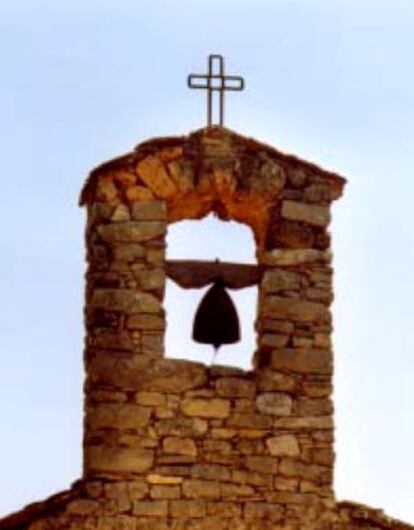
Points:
(171, 444)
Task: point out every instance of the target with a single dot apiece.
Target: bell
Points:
(216, 321)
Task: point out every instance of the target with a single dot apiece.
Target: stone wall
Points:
(215, 442)
(171, 444)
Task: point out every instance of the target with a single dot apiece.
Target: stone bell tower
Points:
(211, 442)
(177, 445)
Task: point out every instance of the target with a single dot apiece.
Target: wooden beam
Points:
(193, 274)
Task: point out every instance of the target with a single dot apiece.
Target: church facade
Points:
(177, 445)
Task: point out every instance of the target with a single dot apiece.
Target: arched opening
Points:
(208, 239)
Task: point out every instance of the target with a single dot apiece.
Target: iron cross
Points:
(215, 81)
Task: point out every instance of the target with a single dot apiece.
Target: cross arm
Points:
(233, 82)
(194, 81)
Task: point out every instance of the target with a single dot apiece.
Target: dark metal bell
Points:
(216, 321)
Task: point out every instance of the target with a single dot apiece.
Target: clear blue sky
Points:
(84, 81)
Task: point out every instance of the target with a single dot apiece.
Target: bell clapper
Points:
(215, 352)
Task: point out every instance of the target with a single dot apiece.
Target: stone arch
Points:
(131, 201)
(213, 170)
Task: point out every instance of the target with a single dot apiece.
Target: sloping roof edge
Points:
(128, 160)
(367, 515)
(37, 510)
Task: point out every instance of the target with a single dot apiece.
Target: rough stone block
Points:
(206, 408)
(146, 322)
(125, 300)
(313, 407)
(115, 490)
(268, 380)
(307, 213)
(154, 478)
(179, 446)
(112, 339)
(152, 343)
(188, 508)
(153, 173)
(131, 231)
(107, 396)
(192, 427)
(183, 176)
(223, 433)
(297, 177)
(99, 211)
(263, 510)
(274, 403)
(305, 423)
(217, 447)
(323, 456)
(251, 446)
(293, 468)
(302, 342)
(121, 213)
(151, 508)
(218, 371)
(286, 483)
(289, 234)
(118, 416)
(138, 193)
(324, 296)
(82, 507)
(288, 258)
(165, 492)
(277, 280)
(201, 489)
(137, 489)
(322, 340)
(173, 376)
(151, 280)
(249, 420)
(137, 373)
(149, 211)
(155, 256)
(318, 193)
(125, 522)
(252, 478)
(232, 387)
(102, 460)
(293, 309)
(273, 340)
(231, 491)
(224, 509)
(302, 361)
(251, 434)
(283, 327)
(286, 497)
(106, 190)
(128, 252)
(171, 153)
(283, 445)
(151, 399)
(124, 177)
(211, 472)
(262, 464)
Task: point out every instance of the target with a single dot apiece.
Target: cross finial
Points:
(215, 81)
